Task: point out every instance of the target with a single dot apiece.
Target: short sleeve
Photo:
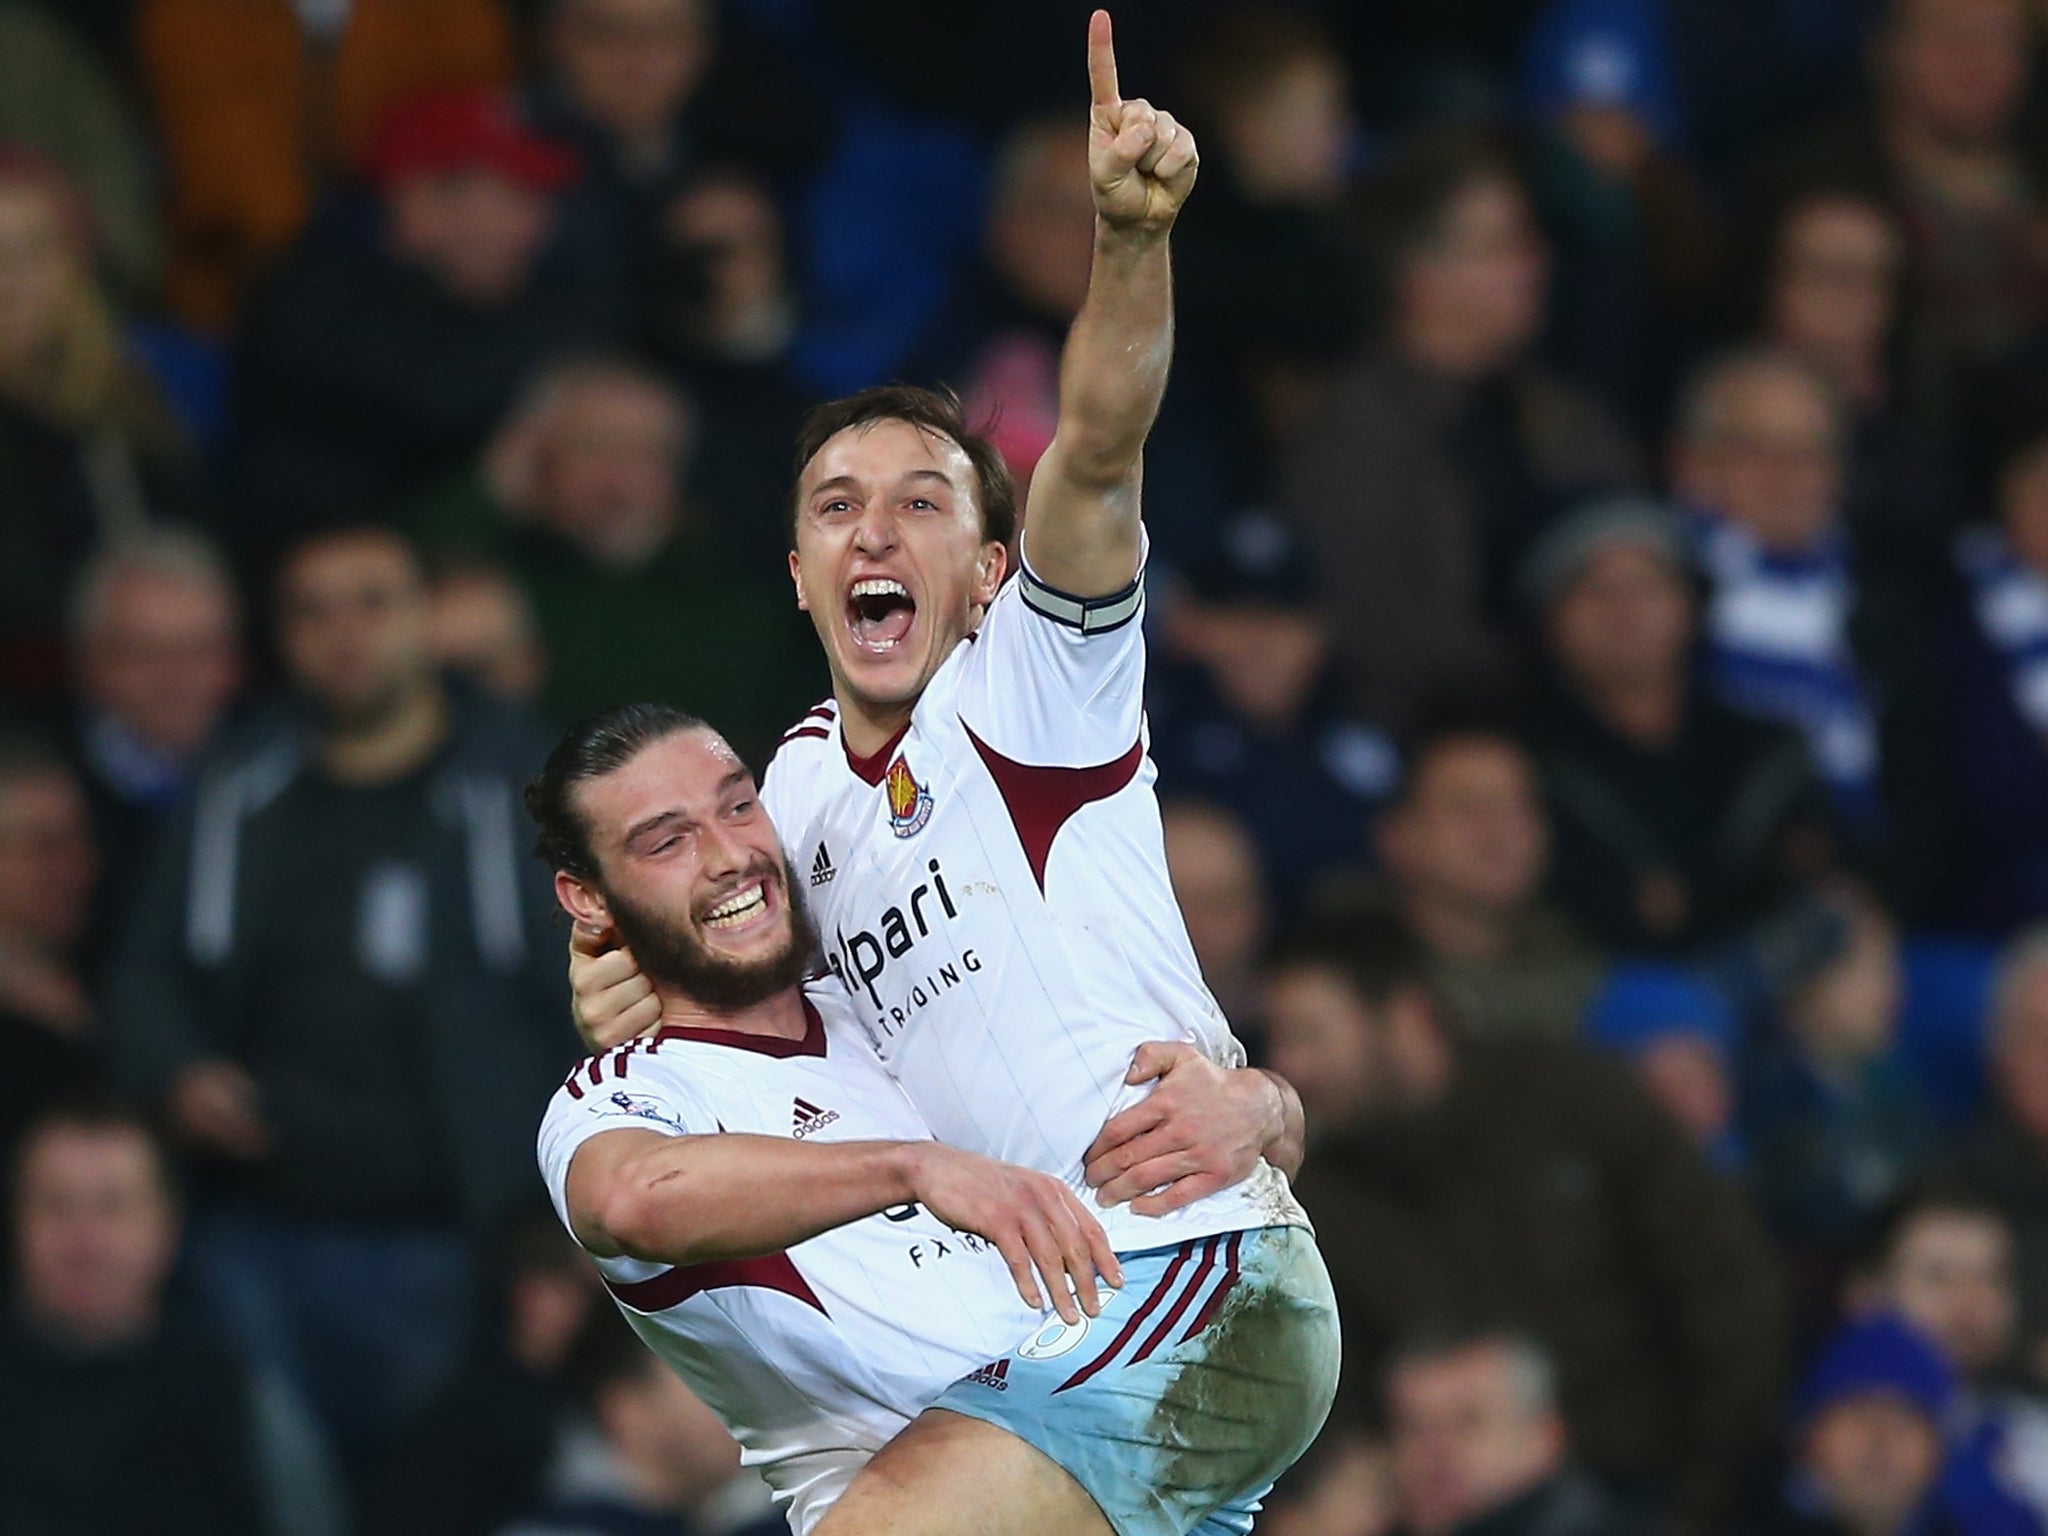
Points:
(1058, 680)
(597, 1098)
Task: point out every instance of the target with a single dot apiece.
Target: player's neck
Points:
(781, 1016)
(866, 728)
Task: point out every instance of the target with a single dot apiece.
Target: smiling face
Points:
(690, 872)
(892, 560)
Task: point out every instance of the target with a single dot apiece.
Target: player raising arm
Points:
(1082, 535)
(974, 817)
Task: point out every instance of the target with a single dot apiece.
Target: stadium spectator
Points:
(1678, 822)
(580, 497)
(1835, 1123)
(1994, 731)
(1832, 297)
(1679, 1036)
(476, 1459)
(483, 630)
(619, 82)
(1868, 1444)
(1343, 1486)
(1943, 143)
(375, 360)
(2007, 1156)
(1247, 711)
(720, 315)
(340, 945)
(121, 1414)
(997, 342)
(48, 863)
(642, 1455)
(1480, 1444)
(1942, 1259)
(652, 96)
(58, 98)
(156, 659)
(1438, 453)
(1457, 1181)
(258, 103)
(1221, 889)
(1795, 627)
(1466, 848)
(1270, 292)
(1636, 245)
(87, 450)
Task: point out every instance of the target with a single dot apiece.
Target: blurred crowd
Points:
(1599, 531)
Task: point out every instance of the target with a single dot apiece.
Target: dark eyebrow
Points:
(737, 776)
(641, 829)
(849, 483)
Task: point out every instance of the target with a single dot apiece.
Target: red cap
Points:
(468, 129)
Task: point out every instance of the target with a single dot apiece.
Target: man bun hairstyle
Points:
(935, 412)
(590, 749)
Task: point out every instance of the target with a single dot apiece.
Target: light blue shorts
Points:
(1203, 1380)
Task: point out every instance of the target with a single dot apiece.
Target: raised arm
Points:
(1082, 515)
(699, 1199)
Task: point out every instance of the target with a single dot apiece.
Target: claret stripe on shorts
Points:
(1166, 1291)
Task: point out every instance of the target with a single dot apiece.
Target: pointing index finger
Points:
(1102, 90)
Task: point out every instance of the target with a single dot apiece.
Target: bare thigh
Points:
(950, 1475)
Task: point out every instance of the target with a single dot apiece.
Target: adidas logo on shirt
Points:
(810, 1118)
(821, 868)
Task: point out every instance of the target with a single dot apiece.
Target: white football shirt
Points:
(991, 891)
(814, 1358)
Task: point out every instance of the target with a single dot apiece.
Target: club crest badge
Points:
(910, 803)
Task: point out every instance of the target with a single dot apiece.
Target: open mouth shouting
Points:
(879, 613)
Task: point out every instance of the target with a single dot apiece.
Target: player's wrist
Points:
(907, 1167)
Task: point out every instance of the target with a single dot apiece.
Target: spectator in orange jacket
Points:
(256, 106)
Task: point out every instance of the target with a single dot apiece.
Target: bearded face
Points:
(683, 954)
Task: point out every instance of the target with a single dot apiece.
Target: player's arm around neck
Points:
(1082, 516)
(701, 1199)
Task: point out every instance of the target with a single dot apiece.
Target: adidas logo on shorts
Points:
(995, 1376)
(809, 1118)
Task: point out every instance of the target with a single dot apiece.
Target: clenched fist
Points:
(1141, 161)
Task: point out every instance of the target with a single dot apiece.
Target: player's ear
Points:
(989, 571)
(796, 576)
(581, 900)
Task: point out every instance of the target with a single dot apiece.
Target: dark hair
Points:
(1444, 721)
(29, 755)
(590, 749)
(1244, 48)
(1370, 948)
(298, 549)
(95, 1114)
(1404, 212)
(606, 1353)
(1951, 1194)
(937, 412)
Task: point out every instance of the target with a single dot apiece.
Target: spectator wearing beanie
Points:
(1633, 238)
(1871, 1454)
(1680, 822)
(1679, 1035)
